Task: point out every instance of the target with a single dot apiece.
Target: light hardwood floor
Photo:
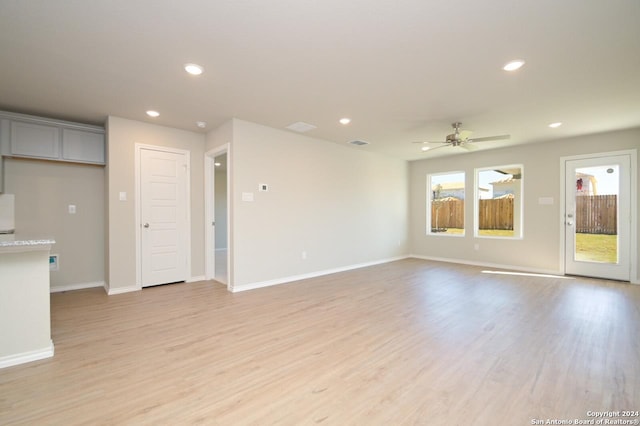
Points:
(408, 342)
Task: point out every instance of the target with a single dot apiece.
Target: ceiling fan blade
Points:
(490, 138)
(430, 142)
(437, 147)
(468, 146)
(465, 134)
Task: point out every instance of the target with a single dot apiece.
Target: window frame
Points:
(429, 193)
(518, 210)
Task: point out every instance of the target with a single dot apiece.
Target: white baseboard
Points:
(261, 284)
(488, 265)
(24, 357)
(198, 278)
(120, 290)
(80, 286)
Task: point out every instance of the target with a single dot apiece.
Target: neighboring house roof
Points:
(504, 181)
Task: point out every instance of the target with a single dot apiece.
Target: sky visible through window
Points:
(486, 177)
(449, 177)
(607, 178)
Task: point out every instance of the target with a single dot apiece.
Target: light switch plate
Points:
(72, 209)
(123, 196)
(247, 196)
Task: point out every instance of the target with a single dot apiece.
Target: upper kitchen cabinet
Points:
(83, 146)
(47, 139)
(35, 140)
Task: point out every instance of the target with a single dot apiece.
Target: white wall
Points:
(540, 249)
(122, 136)
(220, 136)
(341, 206)
(43, 192)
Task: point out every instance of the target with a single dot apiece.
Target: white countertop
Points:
(17, 244)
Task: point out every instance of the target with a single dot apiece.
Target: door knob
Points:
(570, 223)
(146, 225)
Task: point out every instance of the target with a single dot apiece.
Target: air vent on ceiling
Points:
(301, 127)
(359, 143)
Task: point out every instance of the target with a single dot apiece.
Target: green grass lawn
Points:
(597, 248)
(495, 233)
(454, 231)
(482, 232)
(589, 247)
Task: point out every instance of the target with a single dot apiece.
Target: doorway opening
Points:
(217, 239)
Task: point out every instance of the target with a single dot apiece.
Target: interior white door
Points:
(598, 217)
(163, 214)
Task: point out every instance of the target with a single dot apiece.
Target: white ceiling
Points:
(402, 70)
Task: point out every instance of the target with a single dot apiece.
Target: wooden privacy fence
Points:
(494, 214)
(447, 213)
(597, 214)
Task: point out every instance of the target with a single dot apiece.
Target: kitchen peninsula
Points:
(25, 320)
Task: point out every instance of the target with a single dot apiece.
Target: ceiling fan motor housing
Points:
(454, 139)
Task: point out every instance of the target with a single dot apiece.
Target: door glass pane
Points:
(596, 216)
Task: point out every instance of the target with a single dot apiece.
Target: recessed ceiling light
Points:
(201, 124)
(153, 114)
(513, 65)
(193, 69)
(555, 125)
(345, 121)
(217, 164)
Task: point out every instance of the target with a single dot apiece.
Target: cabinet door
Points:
(35, 140)
(79, 145)
(5, 136)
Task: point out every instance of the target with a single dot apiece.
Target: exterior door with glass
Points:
(598, 217)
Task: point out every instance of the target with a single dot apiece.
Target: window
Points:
(498, 204)
(445, 203)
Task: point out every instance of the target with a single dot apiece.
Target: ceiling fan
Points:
(461, 138)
